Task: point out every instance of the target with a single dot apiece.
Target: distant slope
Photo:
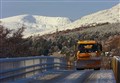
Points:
(34, 23)
(111, 15)
(99, 32)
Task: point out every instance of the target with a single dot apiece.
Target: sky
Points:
(73, 9)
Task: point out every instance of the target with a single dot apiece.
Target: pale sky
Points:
(73, 9)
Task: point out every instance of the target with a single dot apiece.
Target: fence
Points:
(116, 67)
(12, 69)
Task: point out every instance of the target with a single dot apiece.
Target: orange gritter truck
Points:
(88, 55)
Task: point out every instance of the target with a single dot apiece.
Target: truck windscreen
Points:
(83, 48)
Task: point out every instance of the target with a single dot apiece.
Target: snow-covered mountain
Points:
(35, 24)
(111, 15)
(42, 24)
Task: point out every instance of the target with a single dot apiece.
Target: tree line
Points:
(13, 44)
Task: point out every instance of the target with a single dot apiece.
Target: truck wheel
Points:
(79, 68)
(96, 68)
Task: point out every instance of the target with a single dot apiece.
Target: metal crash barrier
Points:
(116, 68)
(12, 69)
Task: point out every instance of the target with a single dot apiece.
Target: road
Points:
(102, 76)
(74, 76)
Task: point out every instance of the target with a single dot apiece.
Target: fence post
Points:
(116, 68)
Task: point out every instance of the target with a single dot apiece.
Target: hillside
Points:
(100, 31)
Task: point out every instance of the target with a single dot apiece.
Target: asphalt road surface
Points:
(70, 76)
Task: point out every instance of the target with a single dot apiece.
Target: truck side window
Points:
(99, 47)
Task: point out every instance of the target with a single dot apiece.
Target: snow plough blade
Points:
(88, 64)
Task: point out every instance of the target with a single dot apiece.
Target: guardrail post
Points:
(50, 63)
(63, 64)
(116, 68)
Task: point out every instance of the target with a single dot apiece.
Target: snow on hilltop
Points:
(35, 24)
(38, 20)
(43, 25)
(111, 15)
